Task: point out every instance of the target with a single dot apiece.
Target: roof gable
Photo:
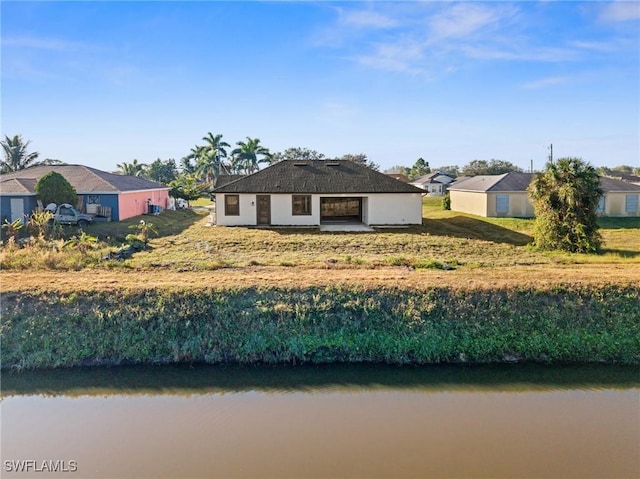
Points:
(317, 176)
(18, 186)
(434, 177)
(86, 179)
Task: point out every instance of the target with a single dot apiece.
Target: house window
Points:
(232, 205)
(93, 199)
(301, 204)
(502, 204)
(631, 204)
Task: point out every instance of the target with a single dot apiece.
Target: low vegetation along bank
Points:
(348, 323)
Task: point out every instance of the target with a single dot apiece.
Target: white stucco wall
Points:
(377, 209)
(282, 212)
(394, 209)
(247, 215)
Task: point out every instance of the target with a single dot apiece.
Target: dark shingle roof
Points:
(317, 176)
(507, 182)
(518, 182)
(225, 180)
(86, 179)
(611, 185)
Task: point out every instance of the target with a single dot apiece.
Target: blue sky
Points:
(99, 83)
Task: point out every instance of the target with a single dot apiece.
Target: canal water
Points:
(367, 421)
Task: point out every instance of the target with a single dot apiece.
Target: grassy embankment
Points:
(322, 324)
(255, 295)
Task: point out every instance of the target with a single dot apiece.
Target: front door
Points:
(263, 209)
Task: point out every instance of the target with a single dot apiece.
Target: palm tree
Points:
(565, 198)
(212, 154)
(131, 169)
(15, 154)
(245, 157)
(208, 166)
(216, 143)
(208, 158)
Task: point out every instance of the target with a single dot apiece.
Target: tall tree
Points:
(361, 159)
(132, 169)
(210, 157)
(162, 171)
(398, 170)
(451, 170)
(216, 148)
(186, 166)
(484, 167)
(186, 187)
(16, 157)
(419, 168)
(565, 198)
(51, 161)
(248, 156)
(297, 153)
(618, 170)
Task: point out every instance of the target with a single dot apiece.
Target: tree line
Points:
(565, 195)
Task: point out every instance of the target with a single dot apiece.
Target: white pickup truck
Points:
(65, 214)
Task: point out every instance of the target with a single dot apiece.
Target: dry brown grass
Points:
(483, 253)
(286, 277)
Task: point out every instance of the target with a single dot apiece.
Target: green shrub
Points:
(446, 201)
(54, 188)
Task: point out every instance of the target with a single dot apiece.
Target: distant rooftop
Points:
(83, 178)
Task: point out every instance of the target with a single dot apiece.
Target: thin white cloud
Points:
(434, 38)
(519, 53)
(464, 19)
(41, 43)
(400, 56)
(419, 38)
(337, 112)
(620, 11)
(546, 83)
(366, 19)
(593, 46)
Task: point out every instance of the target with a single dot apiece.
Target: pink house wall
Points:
(134, 204)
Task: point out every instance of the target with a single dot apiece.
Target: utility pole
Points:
(551, 153)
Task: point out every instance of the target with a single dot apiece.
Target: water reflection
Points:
(368, 421)
(203, 379)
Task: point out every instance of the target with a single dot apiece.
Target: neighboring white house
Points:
(506, 195)
(314, 192)
(435, 184)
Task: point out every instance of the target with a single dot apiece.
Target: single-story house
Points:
(435, 184)
(506, 195)
(119, 196)
(314, 192)
(493, 195)
(620, 198)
